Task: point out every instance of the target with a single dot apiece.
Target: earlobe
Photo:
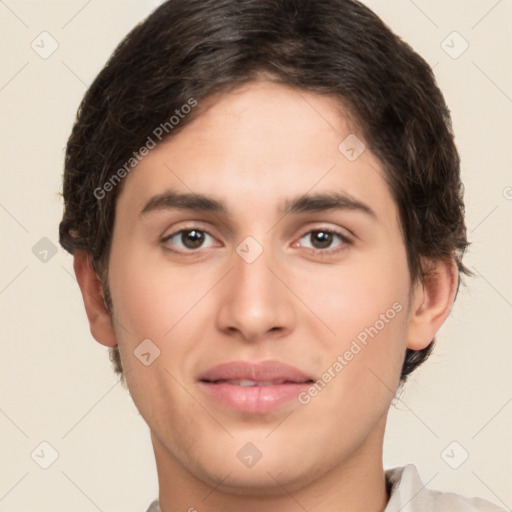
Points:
(100, 321)
(432, 302)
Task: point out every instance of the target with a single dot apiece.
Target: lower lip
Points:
(254, 399)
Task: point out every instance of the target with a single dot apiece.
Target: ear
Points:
(100, 321)
(432, 302)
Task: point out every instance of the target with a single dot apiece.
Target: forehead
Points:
(258, 146)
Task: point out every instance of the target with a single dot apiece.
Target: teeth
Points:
(246, 382)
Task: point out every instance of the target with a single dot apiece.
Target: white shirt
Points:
(408, 494)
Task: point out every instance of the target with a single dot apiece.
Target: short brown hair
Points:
(193, 49)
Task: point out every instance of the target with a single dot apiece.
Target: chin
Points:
(278, 466)
(265, 482)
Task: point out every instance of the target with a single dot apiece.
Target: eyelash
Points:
(317, 252)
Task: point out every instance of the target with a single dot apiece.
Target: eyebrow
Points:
(305, 203)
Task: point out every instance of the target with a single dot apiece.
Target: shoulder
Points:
(409, 494)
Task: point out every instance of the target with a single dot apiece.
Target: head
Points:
(261, 105)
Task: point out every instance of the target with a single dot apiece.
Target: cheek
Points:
(153, 301)
(151, 297)
(349, 298)
(365, 307)
(361, 361)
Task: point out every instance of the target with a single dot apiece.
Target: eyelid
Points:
(194, 227)
(344, 233)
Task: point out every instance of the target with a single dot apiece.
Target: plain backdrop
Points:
(57, 385)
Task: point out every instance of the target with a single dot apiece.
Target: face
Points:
(291, 273)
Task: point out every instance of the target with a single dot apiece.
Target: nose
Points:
(255, 302)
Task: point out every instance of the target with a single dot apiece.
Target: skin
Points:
(253, 149)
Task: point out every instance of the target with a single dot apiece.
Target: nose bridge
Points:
(253, 280)
(252, 262)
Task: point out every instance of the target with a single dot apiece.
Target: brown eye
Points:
(187, 240)
(192, 238)
(321, 241)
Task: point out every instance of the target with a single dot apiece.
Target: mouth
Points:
(255, 388)
(247, 373)
(251, 383)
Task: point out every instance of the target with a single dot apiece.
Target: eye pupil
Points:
(192, 238)
(324, 237)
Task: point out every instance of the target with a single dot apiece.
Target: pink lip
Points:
(289, 382)
(263, 371)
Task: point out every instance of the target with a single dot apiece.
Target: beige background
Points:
(57, 385)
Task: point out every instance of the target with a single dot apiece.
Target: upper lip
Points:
(261, 371)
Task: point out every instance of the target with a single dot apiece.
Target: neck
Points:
(357, 484)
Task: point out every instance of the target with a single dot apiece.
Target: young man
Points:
(264, 206)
